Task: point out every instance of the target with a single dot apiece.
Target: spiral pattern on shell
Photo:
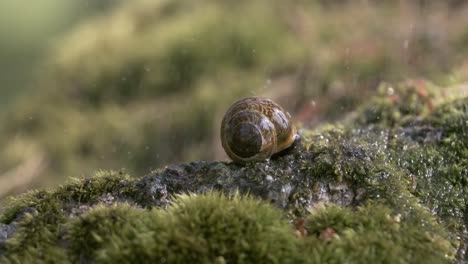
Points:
(255, 128)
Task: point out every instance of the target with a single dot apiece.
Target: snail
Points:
(255, 128)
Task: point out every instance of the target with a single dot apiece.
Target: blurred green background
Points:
(88, 85)
(28, 29)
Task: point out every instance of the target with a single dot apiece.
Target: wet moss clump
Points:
(214, 228)
(371, 234)
(429, 142)
(389, 189)
(193, 229)
(399, 104)
(37, 218)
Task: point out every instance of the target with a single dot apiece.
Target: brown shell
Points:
(255, 128)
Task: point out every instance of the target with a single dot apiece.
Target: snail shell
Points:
(255, 128)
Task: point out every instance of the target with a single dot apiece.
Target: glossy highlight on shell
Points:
(255, 128)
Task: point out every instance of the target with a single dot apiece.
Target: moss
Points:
(429, 142)
(210, 228)
(194, 228)
(438, 155)
(36, 235)
(101, 227)
(397, 104)
(356, 171)
(216, 228)
(38, 216)
(76, 192)
(380, 234)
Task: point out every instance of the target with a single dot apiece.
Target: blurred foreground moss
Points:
(146, 84)
(213, 228)
(381, 190)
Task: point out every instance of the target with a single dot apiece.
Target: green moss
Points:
(437, 151)
(37, 234)
(102, 226)
(411, 152)
(210, 228)
(427, 141)
(216, 228)
(76, 192)
(355, 167)
(398, 104)
(380, 234)
(39, 216)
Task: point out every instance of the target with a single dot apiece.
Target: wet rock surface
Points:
(5, 232)
(282, 181)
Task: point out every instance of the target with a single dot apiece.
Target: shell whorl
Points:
(255, 128)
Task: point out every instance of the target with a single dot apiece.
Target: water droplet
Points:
(390, 91)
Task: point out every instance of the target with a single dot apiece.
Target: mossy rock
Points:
(381, 190)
